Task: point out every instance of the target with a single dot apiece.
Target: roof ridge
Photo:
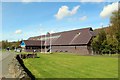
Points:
(66, 31)
(73, 30)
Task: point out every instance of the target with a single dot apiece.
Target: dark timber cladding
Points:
(74, 41)
(30, 45)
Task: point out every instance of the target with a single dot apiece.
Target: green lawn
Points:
(62, 65)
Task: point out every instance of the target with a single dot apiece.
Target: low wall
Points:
(29, 75)
(18, 71)
(23, 56)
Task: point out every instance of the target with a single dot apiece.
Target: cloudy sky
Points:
(24, 19)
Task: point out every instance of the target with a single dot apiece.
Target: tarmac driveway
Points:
(5, 60)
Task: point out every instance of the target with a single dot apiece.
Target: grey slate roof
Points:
(73, 37)
(33, 42)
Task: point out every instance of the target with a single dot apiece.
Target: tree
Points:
(4, 44)
(11, 45)
(115, 27)
(95, 45)
(98, 42)
(110, 42)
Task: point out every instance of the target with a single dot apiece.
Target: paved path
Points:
(5, 60)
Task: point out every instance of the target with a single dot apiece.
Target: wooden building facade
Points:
(74, 41)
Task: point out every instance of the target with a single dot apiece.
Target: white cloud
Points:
(18, 32)
(107, 10)
(64, 11)
(74, 10)
(83, 18)
(91, 0)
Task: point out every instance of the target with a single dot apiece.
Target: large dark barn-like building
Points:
(74, 41)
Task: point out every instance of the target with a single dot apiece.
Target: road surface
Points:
(5, 60)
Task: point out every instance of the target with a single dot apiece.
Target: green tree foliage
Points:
(99, 42)
(110, 42)
(115, 27)
(11, 45)
(113, 43)
(95, 45)
(4, 44)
